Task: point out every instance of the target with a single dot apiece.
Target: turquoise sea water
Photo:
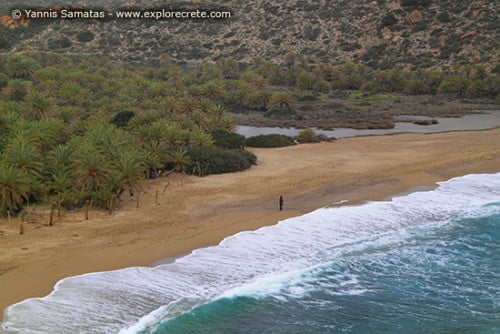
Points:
(426, 262)
(441, 278)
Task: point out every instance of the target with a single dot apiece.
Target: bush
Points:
(426, 122)
(249, 156)
(227, 139)
(216, 160)
(272, 140)
(4, 79)
(65, 42)
(122, 118)
(4, 43)
(444, 17)
(307, 136)
(389, 20)
(60, 43)
(322, 86)
(85, 36)
(17, 89)
(415, 3)
(476, 88)
(308, 97)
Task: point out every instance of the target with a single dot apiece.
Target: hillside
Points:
(380, 34)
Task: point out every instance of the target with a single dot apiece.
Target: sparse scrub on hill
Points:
(329, 31)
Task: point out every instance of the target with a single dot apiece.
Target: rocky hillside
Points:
(380, 34)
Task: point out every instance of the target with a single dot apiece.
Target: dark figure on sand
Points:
(281, 201)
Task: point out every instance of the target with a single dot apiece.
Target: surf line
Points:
(340, 202)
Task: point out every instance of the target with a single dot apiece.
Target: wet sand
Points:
(197, 212)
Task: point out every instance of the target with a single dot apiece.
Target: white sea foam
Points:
(254, 262)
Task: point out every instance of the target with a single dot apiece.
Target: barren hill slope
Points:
(380, 34)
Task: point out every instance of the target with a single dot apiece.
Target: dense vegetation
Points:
(76, 131)
(216, 160)
(271, 140)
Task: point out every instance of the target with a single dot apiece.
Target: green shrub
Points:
(60, 43)
(322, 86)
(308, 97)
(249, 156)
(389, 20)
(307, 136)
(4, 43)
(312, 33)
(415, 3)
(356, 95)
(17, 89)
(307, 107)
(4, 79)
(64, 42)
(216, 160)
(444, 17)
(272, 140)
(227, 139)
(476, 88)
(122, 118)
(85, 36)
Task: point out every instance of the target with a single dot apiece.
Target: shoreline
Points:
(354, 169)
(172, 259)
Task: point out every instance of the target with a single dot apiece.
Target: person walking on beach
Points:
(281, 202)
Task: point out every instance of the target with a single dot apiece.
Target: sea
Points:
(424, 262)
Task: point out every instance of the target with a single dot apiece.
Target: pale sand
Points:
(203, 211)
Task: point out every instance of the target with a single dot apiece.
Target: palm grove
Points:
(77, 132)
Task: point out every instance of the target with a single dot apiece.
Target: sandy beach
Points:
(195, 212)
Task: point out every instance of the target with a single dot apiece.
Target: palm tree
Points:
(200, 137)
(23, 154)
(20, 66)
(59, 158)
(60, 183)
(212, 90)
(37, 104)
(172, 134)
(116, 186)
(188, 104)
(217, 110)
(169, 104)
(184, 138)
(281, 100)
(180, 159)
(61, 180)
(291, 58)
(130, 168)
(153, 132)
(216, 122)
(15, 187)
(205, 105)
(153, 163)
(91, 170)
(109, 140)
(154, 158)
